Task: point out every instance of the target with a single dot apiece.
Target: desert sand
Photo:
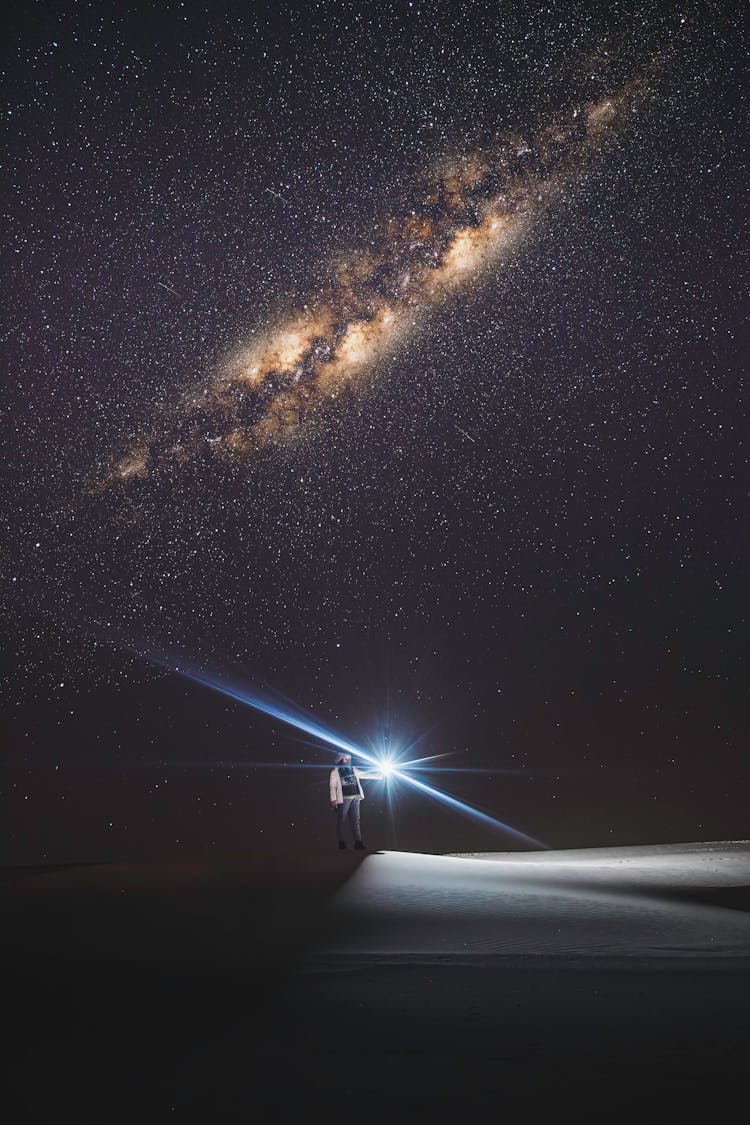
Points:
(594, 984)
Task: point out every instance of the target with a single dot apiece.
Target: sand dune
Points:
(391, 986)
(633, 902)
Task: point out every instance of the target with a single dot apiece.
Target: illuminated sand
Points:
(598, 981)
(632, 902)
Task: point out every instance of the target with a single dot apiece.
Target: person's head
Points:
(343, 759)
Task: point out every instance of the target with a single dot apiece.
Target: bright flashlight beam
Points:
(304, 723)
(418, 763)
(446, 798)
(291, 718)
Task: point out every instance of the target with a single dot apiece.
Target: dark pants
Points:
(348, 813)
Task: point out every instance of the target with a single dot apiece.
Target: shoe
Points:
(342, 844)
(358, 845)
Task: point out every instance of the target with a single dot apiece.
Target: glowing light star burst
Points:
(389, 769)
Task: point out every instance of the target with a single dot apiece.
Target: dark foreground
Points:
(204, 992)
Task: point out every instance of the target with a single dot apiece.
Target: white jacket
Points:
(337, 797)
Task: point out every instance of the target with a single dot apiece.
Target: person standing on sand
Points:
(346, 795)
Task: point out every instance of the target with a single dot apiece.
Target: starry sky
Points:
(386, 359)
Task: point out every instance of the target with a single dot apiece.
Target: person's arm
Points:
(334, 787)
(368, 775)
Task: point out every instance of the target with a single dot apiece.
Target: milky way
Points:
(469, 215)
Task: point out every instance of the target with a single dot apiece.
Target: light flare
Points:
(296, 718)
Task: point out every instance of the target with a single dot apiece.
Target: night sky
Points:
(386, 358)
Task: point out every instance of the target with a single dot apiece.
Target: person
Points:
(346, 796)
